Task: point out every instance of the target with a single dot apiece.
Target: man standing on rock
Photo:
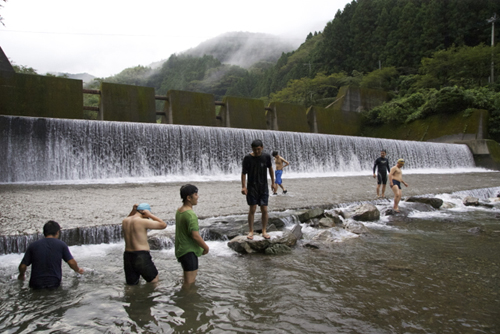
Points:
(137, 261)
(45, 255)
(395, 180)
(256, 165)
(382, 165)
(280, 164)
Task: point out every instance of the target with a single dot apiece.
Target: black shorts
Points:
(382, 178)
(396, 183)
(137, 264)
(258, 197)
(189, 262)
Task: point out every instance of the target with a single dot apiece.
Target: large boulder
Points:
(334, 215)
(242, 244)
(432, 201)
(161, 239)
(366, 212)
(471, 201)
(305, 215)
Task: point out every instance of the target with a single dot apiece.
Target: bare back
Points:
(135, 231)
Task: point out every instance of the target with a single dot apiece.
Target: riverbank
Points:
(25, 208)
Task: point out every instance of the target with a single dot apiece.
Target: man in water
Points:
(137, 261)
(395, 180)
(280, 164)
(45, 255)
(256, 164)
(382, 165)
(189, 245)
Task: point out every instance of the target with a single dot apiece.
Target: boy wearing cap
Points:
(189, 245)
(395, 180)
(136, 258)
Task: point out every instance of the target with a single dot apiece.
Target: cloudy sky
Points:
(103, 37)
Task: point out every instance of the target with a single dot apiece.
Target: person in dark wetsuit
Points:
(45, 255)
(382, 165)
(256, 165)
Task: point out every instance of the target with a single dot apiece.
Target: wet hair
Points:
(187, 190)
(275, 153)
(51, 228)
(257, 143)
(382, 150)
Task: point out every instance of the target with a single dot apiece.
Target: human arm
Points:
(391, 175)
(199, 240)
(134, 210)
(244, 190)
(286, 163)
(375, 168)
(154, 224)
(22, 271)
(73, 265)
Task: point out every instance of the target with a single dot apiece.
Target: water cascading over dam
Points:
(54, 150)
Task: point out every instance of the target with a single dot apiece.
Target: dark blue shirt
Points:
(45, 256)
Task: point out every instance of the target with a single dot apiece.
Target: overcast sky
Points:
(103, 37)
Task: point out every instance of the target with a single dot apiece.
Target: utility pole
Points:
(492, 20)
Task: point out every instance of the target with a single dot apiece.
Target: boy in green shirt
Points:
(189, 244)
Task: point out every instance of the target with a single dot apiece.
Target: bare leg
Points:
(156, 279)
(383, 190)
(251, 215)
(265, 217)
(189, 278)
(378, 190)
(397, 197)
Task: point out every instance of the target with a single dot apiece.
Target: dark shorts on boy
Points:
(396, 183)
(382, 178)
(257, 196)
(137, 264)
(189, 262)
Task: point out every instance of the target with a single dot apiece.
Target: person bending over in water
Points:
(395, 180)
(45, 255)
(137, 261)
(280, 164)
(189, 245)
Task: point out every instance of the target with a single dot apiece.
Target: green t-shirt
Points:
(185, 223)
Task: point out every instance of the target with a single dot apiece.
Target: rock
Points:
(356, 227)
(242, 244)
(271, 228)
(476, 230)
(366, 212)
(434, 202)
(339, 213)
(471, 201)
(297, 231)
(335, 216)
(326, 222)
(486, 205)
(161, 239)
(311, 245)
(305, 215)
(277, 249)
(313, 222)
(323, 236)
(448, 205)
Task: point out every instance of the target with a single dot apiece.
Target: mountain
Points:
(243, 49)
(85, 77)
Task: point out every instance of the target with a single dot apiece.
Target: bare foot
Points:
(266, 236)
(250, 236)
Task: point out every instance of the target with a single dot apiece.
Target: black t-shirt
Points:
(382, 164)
(45, 256)
(256, 168)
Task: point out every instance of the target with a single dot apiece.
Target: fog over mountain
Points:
(241, 48)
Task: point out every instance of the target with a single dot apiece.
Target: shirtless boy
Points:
(280, 164)
(136, 258)
(395, 180)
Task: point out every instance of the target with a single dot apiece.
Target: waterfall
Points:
(53, 150)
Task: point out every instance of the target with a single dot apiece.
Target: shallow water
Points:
(426, 274)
